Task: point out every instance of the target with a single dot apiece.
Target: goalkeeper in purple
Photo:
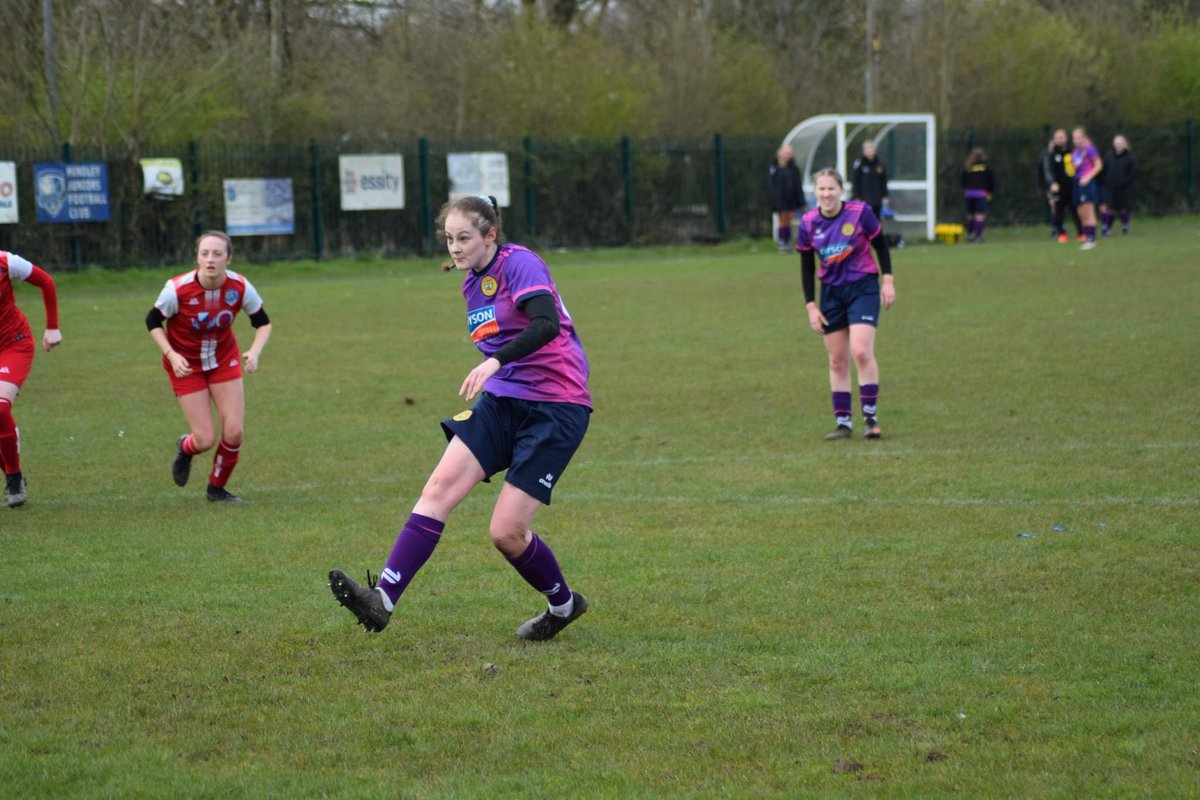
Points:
(843, 234)
(531, 415)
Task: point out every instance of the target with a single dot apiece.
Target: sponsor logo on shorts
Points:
(547, 481)
(867, 318)
(463, 416)
(4, 371)
(488, 285)
(481, 323)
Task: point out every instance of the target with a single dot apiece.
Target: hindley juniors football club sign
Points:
(76, 192)
(371, 182)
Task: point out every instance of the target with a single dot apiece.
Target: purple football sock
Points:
(1106, 220)
(412, 549)
(841, 407)
(785, 235)
(1089, 232)
(868, 395)
(538, 566)
(1125, 220)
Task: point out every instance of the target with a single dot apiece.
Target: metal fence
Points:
(577, 193)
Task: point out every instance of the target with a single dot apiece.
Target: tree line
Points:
(127, 75)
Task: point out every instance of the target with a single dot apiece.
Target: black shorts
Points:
(533, 440)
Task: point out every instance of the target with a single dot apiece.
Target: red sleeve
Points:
(41, 279)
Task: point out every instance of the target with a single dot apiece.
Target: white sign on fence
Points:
(162, 177)
(371, 182)
(479, 174)
(259, 206)
(8, 192)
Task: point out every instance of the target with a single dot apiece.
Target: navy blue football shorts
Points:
(1087, 194)
(976, 205)
(533, 440)
(851, 304)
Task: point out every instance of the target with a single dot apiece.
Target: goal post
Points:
(905, 143)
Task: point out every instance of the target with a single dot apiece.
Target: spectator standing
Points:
(1057, 178)
(870, 180)
(1119, 168)
(786, 188)
(978, 183)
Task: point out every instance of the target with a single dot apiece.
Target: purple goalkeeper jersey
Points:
(1084, 159)
(556, 372)
(842, 243)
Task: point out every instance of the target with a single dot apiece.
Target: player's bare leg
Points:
(198, 414)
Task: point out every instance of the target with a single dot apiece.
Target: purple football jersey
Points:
(557, 372)
(1085, 159)
(842, 243)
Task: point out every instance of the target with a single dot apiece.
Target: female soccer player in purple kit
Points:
(1088, 164)
(842, 234)
(531, 416)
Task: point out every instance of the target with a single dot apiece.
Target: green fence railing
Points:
(577, 193)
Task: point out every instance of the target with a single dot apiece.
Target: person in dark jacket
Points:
(786, 189)
(870, 181)
(978, 184)
(1056, 178)
(1119, 167)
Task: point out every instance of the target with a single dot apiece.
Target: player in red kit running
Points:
(200, 355)
(16, 358)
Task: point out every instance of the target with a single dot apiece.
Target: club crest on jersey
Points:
(488, 286)
(481, 323)
(231, 297)
(847, 229)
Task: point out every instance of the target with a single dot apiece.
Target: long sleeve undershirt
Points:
(41, 279)
(541, 330)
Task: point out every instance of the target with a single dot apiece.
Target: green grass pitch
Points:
(772, 615)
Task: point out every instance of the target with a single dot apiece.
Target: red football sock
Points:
(223, 463)
(10, 439)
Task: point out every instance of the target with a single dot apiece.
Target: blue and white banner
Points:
(371, 182)
(76, 192)
(479, 174)
(9, 212)
(259, 206)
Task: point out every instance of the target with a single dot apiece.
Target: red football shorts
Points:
(230, 369)
(16, 359)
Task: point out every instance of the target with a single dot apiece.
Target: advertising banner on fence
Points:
(162, 177)
(76, 192)
(479, 174)
(259, 206)
(8, 192)
(371, 182)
